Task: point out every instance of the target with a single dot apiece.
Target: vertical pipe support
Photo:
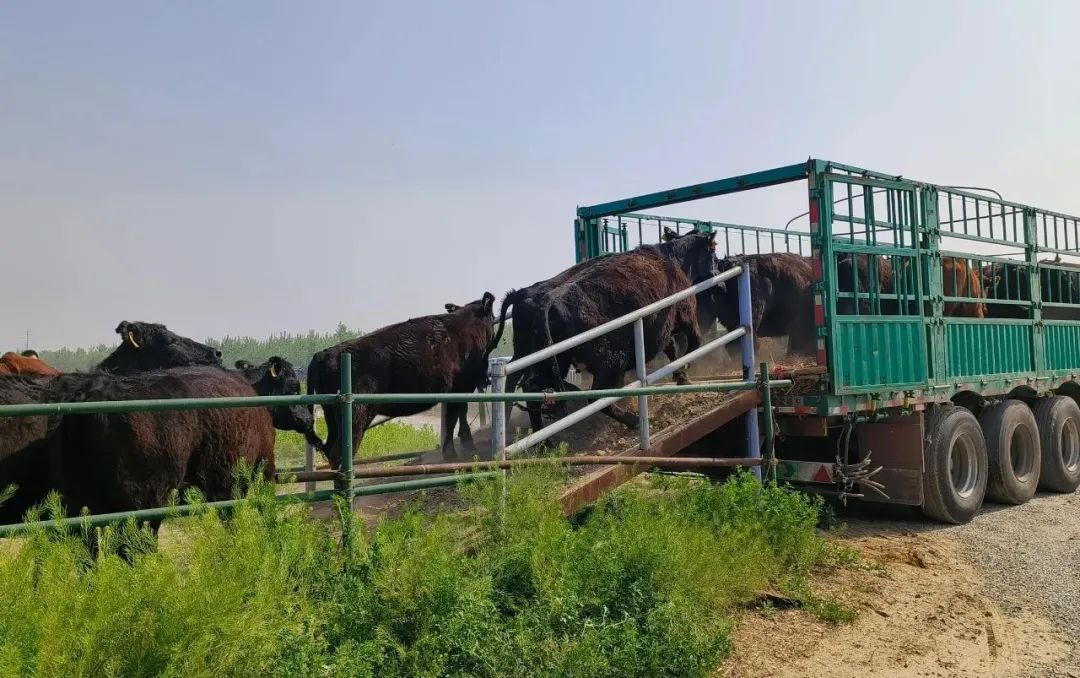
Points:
(345, 395)
(639, 366)
(746, 319)
(497, 375)
(770, 435)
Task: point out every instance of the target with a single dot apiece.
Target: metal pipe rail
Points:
(108, 406)
(190, 509)
(621, 321)
(500, 368)
(578, 460)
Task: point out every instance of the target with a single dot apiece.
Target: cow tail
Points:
(314, 386)
(511, 298)
(548, 341)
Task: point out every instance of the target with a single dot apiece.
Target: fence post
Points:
(639, 365)
(345, 478)
(497, 374)
(770, 442)
(746, 319)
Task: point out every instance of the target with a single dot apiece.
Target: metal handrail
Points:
(164, 404)
(499, 368)
(621, 321)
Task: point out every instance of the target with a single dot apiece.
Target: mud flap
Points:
(896, 446)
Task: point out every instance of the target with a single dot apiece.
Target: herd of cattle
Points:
(122, 461)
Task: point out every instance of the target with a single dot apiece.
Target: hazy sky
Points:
(251, 167)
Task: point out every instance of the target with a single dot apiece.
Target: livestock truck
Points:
(946, 368)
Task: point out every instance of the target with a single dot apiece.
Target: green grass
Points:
(388, 438)
(647, 584)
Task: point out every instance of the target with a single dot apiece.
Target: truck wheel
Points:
(954, 465)
(1058, 419)
(1012, 448)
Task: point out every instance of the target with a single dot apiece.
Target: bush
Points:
(645, 585)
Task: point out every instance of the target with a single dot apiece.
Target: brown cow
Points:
(445, 353)
(13, 364)
(959, 280)
(134, 460)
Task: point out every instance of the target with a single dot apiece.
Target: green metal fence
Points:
(345, 486)
(624, 232)
(921, 290)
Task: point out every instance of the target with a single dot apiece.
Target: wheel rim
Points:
(1070, 445)
(1021, 456)
(963, 467)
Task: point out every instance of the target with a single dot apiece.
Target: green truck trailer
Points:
(947, 364)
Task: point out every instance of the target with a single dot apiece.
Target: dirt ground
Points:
(928, 603)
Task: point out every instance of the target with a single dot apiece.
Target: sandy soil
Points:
(925, 608)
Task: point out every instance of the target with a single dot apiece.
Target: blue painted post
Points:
(746, 319)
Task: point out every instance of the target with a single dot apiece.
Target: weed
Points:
(645, 584)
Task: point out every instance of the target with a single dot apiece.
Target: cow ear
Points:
(450, 308)
(995, 280)
(242, 364)
(669, 234)
(712, 240)
(489, 301)
(276, 367)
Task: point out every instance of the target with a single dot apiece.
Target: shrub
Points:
(644, 585)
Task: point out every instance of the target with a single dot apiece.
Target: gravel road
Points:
(1030, 558)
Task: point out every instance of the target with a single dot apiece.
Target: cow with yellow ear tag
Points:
(151, 346)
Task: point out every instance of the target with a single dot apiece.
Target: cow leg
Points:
(672, 352)
(464, 431)
(604, 380)
(451, 416)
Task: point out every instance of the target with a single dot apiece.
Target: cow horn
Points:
(131, 338)
(273, 370)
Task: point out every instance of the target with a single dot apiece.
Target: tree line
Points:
(296, 348)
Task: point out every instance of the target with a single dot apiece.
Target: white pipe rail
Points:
(501, 367)
(621, 321)
(595, 406)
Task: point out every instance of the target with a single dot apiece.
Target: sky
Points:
(247, 168)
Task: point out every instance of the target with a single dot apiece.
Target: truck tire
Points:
(954, 465)
(1013, 450)
(1058, 419)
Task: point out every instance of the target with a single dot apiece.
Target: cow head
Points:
(150, 346)
(695, 253)
(277, 377)
(481, 308)
(30, 353)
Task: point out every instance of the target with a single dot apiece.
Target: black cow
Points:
(781, 300)
(444, 353)
(134, 460)
(23, 461)
(596, 292)
(866, 268)
(277, 377)
(150, 346)
(1008, 282)
(145, 346)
